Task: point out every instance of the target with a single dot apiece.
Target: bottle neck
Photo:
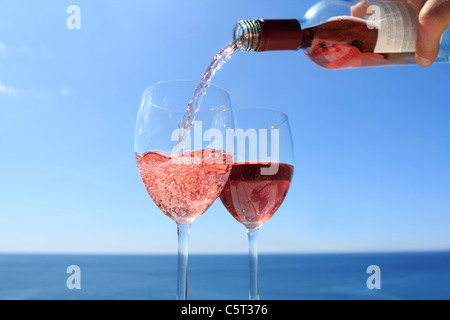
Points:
(269, 34)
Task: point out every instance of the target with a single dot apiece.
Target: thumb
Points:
(434, 19)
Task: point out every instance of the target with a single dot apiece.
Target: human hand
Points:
(434, 19)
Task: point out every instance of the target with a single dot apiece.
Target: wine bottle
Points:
(338, 34)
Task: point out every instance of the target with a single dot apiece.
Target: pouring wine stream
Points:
(193, 106)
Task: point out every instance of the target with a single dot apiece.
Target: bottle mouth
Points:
(249, 33)
(268, 34)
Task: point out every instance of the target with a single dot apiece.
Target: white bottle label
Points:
(398, 26)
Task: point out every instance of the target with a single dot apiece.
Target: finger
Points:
(434, 19)
(360, 9)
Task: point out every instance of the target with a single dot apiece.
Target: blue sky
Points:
(372, 146)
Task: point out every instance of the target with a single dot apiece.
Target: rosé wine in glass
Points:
(183, 177)
(253, 198)
(261, 175)
(184, 186)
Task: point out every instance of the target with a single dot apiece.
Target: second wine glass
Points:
(261, 175)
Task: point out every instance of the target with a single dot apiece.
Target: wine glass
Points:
(182, 175)
(261, 174)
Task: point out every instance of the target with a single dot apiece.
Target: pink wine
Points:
(194, 104)
(184, 186)
(345, 33)
(343, 42)
(346, 43)
(252, 198)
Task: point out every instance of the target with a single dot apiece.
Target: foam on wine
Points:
(184, 186)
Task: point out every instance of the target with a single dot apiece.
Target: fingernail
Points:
(424, 62)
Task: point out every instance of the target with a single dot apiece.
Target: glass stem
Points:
(253, 263)
(183, 231)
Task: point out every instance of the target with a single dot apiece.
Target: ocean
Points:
(400, 276)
